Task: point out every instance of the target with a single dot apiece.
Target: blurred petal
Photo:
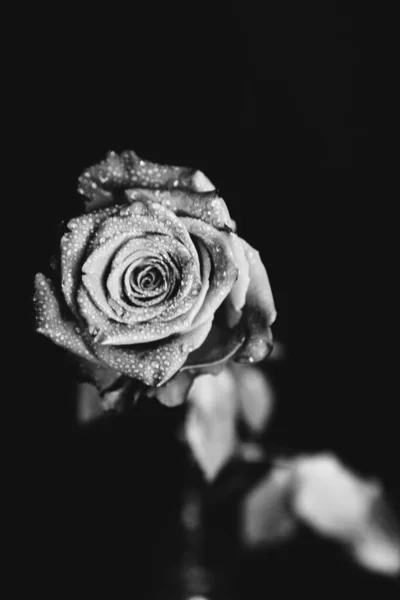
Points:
(210, 426)
(175, 392)
(266, 519)
(99, 374)
(259, 311)
(50, 322)
(330, 498)
(88, 403)
(255, 395)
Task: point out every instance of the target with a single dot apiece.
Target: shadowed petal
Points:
(218, 348)
(175, 391)
(99, 374)
(259, 311)
(50, 323)
(237, 296)
(224, 268)
(266, 518)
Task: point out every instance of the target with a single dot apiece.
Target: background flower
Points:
(153, 281)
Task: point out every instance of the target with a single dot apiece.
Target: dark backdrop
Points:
(275, 103)
(278, 104)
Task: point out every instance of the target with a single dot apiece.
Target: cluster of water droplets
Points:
(127, 170)
(51, 323)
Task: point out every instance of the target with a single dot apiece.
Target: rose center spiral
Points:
(151, 279)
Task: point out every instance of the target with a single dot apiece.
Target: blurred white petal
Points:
(266, 518)
(255, 396)
(216, 403)
(211, 423)
(337, 503)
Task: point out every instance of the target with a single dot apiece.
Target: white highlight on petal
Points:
(201, 183)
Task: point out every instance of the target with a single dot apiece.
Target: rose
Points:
(153, 280)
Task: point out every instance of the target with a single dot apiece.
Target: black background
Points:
(276, 103)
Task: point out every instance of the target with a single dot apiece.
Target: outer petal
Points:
(237, 297)
(255, 395)
(224, 267)
(259, 312)
(73, 251)
(153, 364)
(144, 215)
(251, 339)
(206, 206)
(101, 184)
(201, 183)
(50, 322)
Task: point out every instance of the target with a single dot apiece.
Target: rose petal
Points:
(201, 183)
(50, 322)
(217, 349)
(99, 374)
(255, 394)
(259, 311)
(266, 518)
(237, 297)
(225, 271)
(145, 215)
(206, 206)
(73, 251)
(210, 427)
(155, 365)
(101, 183)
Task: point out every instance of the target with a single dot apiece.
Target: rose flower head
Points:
(152, 284)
